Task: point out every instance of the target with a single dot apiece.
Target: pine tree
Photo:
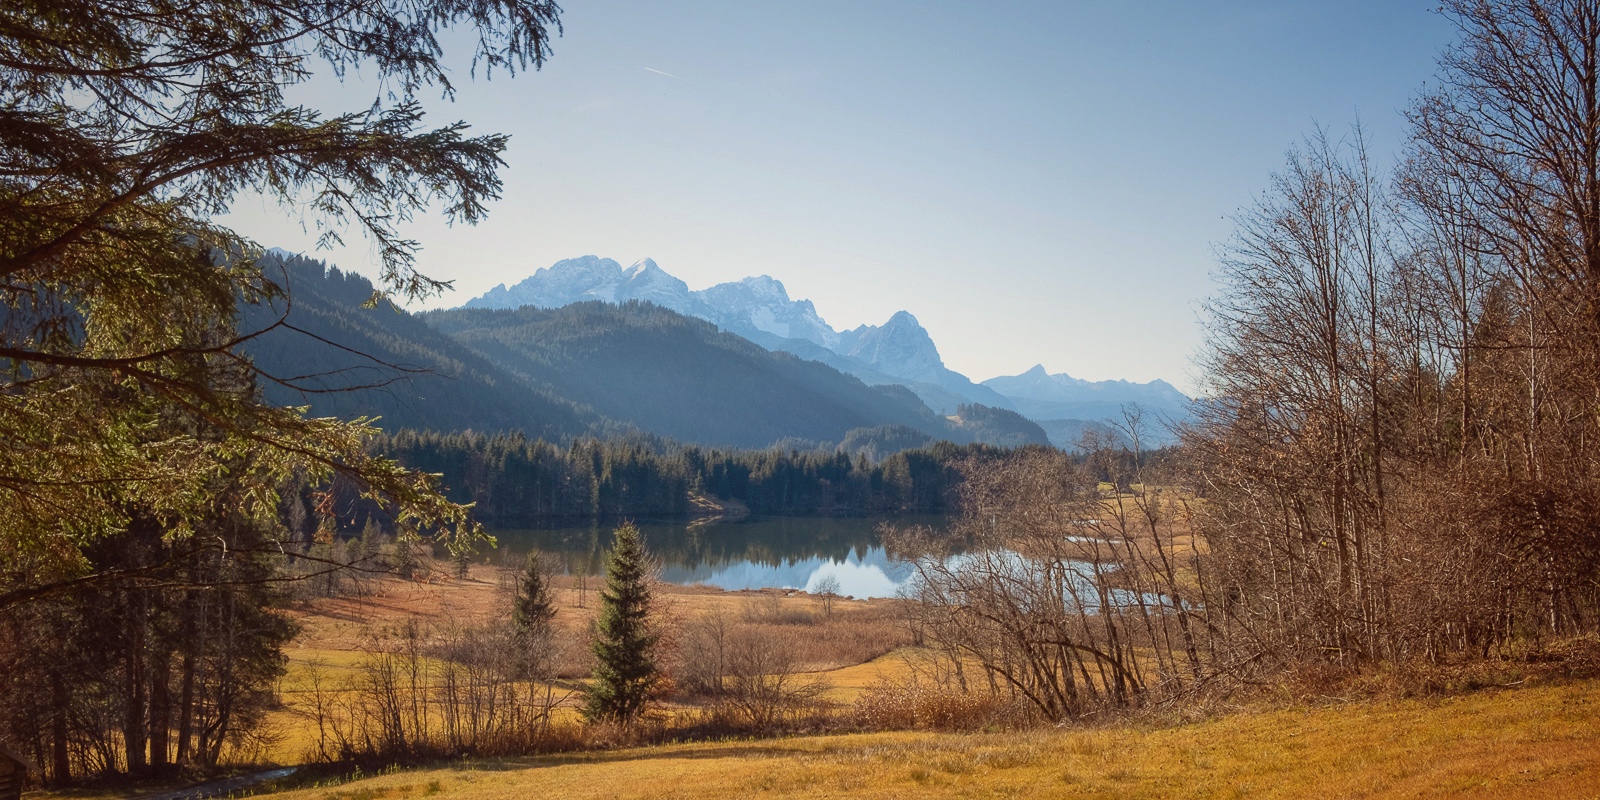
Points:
(405, 558)
(625, 670)
(370, 542)
(129, 128)
(532, 610)
(322, 549)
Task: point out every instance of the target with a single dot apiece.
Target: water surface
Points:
(757, 553)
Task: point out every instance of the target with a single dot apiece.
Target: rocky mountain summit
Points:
(759, 308)
(898, 352)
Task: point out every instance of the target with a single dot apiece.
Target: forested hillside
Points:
(410, 375)
(998, 426)
(588, 370)
(681, 377)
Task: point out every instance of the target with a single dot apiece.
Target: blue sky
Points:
(1037, 182)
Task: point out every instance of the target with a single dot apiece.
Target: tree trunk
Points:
(160, 712)
(134, 732)
(61, 763)
(186, 710)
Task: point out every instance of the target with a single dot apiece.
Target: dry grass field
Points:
(1539, 742)
(334, 632)
(1534, 740)
(1531, 741)
(851, 647)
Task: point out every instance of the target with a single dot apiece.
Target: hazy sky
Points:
(1036, 182)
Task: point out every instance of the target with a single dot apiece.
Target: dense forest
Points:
(512, 479)
(350, 360)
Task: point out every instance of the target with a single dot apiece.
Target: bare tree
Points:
(827, 588)
(1396, 462)
(1048, 587)
(764, 682)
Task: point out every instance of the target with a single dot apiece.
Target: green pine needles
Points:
(532, 610)
(625, 673)
(534, 607)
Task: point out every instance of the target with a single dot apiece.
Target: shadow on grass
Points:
(746, 749)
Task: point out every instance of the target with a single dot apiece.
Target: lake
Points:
(756, 553)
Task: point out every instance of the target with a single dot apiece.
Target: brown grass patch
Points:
(1534, 742)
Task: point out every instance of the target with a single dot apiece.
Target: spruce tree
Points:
(405, 558)
(531, 612)
(534, 607)
(371, 542)
(128, 130)
(625, 669)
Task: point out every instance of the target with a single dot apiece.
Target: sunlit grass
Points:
(1534, 742)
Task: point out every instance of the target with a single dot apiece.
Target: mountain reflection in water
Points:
(774, 552)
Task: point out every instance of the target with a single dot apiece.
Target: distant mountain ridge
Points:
(759, 309)
(1055, 399)
(898, 352)
(1060, 396)
(680, 377)
(588, 368)
(448, 382)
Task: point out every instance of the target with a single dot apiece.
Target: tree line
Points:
(168, 658)
(141, 470)
(1405, 361)
(1393, 474)
(511, 478)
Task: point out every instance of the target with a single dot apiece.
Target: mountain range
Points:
(898, 352)
(585, 368)
(1039, 395)
(759, 309)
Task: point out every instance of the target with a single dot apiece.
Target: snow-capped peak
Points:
(758, 308)
(641, 267)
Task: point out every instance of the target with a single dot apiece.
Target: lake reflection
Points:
(778, 552)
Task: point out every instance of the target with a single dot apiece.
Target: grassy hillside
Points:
(1541, 742)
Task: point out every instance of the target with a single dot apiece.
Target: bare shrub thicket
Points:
(447, 692)
(1398, 465)
(1395, 467)
(1055, 594)
(764, 683)
(928, 694)
(754, 673)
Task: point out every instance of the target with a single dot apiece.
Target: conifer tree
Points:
(405, 558)
(370, 542)
(534, 607)
(625, 670)
(531, 612)
(128, 128)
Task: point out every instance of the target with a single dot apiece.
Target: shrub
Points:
(916, 705)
